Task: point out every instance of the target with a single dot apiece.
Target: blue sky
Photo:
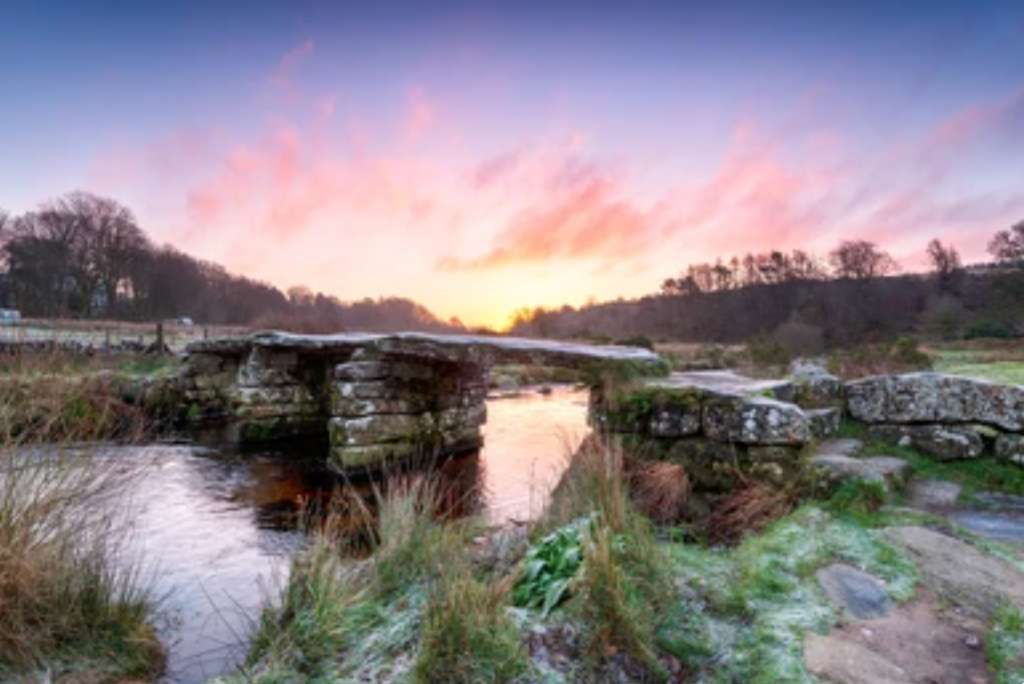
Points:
(484, 156)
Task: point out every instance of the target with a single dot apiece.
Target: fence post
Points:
(160, 338)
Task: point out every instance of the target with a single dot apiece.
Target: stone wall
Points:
(386, 408)
(944, 416)
(719, 425)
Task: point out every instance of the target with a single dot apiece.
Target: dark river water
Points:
(212, 524)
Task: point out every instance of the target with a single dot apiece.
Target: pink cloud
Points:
(584, 215)
(420, 116)
(495, 169)
(283, 75)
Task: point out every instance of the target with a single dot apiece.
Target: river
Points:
(213, 526)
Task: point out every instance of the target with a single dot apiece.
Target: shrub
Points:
(989, 329)
(767, 352)
(906, 352)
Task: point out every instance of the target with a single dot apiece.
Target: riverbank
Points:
(594, 591)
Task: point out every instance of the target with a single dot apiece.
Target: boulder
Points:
(835, 469)
(935, 398)
(815, 386)
(755, 420)
(941, 442)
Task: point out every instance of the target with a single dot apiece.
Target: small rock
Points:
(972, 641)
(933, 494)
(860, 595)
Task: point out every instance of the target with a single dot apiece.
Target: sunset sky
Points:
(486, 156)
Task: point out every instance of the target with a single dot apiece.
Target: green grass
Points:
(467, 637)
(973, 364)
(755, 602)
(1004, 645)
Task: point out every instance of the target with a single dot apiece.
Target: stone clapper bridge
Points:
(378, 397)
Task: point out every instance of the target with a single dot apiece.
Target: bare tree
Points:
(945, 262)
(861, 260)
(1008, 245)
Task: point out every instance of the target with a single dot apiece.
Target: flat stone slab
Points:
(476, 349)
(975, 581)
(935, 398)
(835, 659)
(841, 447)
(934, 494)
(999, 527)
(860, 595)
(727, 383)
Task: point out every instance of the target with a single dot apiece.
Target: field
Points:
(996, 360)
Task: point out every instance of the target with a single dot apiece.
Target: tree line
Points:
(855, 293)
(82, 255)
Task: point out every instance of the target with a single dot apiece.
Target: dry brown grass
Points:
(50, 407)
(746, 511)
(660, 490)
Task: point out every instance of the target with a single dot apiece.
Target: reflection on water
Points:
(216, 524)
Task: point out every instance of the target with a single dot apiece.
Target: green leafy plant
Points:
(551, 566)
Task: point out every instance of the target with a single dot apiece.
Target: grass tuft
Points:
(467, 637)
(661, 490)
(66, 594)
